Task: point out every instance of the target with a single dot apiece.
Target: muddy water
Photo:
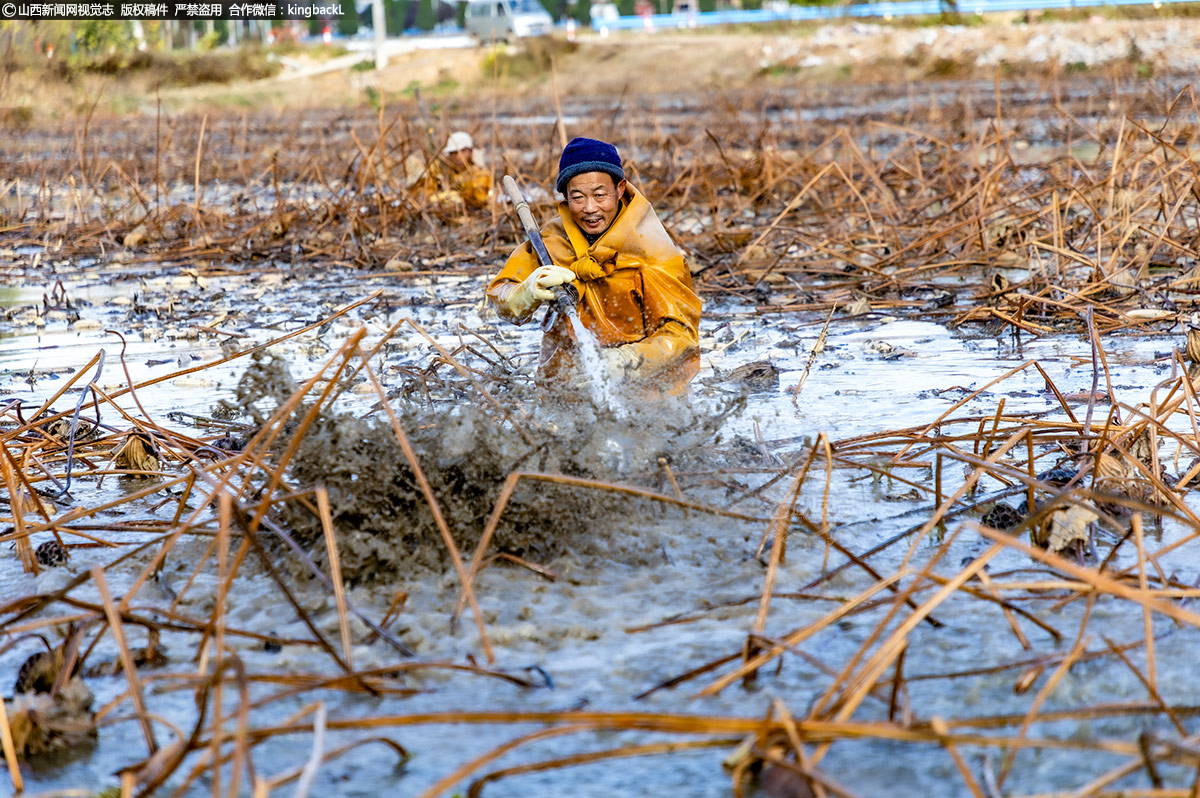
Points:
(577, 634)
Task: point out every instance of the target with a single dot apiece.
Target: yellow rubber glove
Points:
(525, 298)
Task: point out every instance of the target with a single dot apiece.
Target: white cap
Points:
(459, 140)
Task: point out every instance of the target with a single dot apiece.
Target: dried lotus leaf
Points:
(26, 502)
(20, 725)
(1070, 525)
(755, 252)
(61, 428)
(41, 722)
(281, 224)
(137, 454)
(135, 237)
(1141, 449)
(1192, 339)
(1009, 259)
(1114, 473)
(1123, 282)
(860, 307)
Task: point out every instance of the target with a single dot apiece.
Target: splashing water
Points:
(595, 370)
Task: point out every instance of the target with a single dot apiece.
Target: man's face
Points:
(459, 158)
(593, 200)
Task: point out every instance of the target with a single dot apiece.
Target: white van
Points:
(501, 20)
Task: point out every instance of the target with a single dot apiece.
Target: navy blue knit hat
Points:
(587, 155)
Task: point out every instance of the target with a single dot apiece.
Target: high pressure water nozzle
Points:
(566, 299)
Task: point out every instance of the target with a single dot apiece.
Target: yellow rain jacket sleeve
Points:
(635, 290)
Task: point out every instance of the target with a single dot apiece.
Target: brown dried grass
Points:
(1105, 244)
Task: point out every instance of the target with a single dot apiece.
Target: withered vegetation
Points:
(1067, 205)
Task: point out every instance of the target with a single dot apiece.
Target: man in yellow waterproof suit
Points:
(453, 181)
(634, 286)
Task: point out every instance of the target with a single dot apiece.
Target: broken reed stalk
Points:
(803, 472)
(798, 747)
(335, 573)
(276, 470)
(1003, 212)
(10, 751)
(815, 731)
(263, 788)
(241, 748)
(510, 484)
(435, 508)
(778, 529)
(118, 632)
(1044, 692)
(470, 767)
(184, 372)
(1151, 689)
(798, 636)
(852, 693)
(15, 501)
(244, 520)
(939, 727)
(1006, 609)
(214, 646)
(873, 224)
(475, 788)
(817, 348)
(1147, 617)
(1099, 582)
(309, 772)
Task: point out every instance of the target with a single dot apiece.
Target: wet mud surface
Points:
(384, 522)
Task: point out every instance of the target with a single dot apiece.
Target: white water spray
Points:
(595, 370)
